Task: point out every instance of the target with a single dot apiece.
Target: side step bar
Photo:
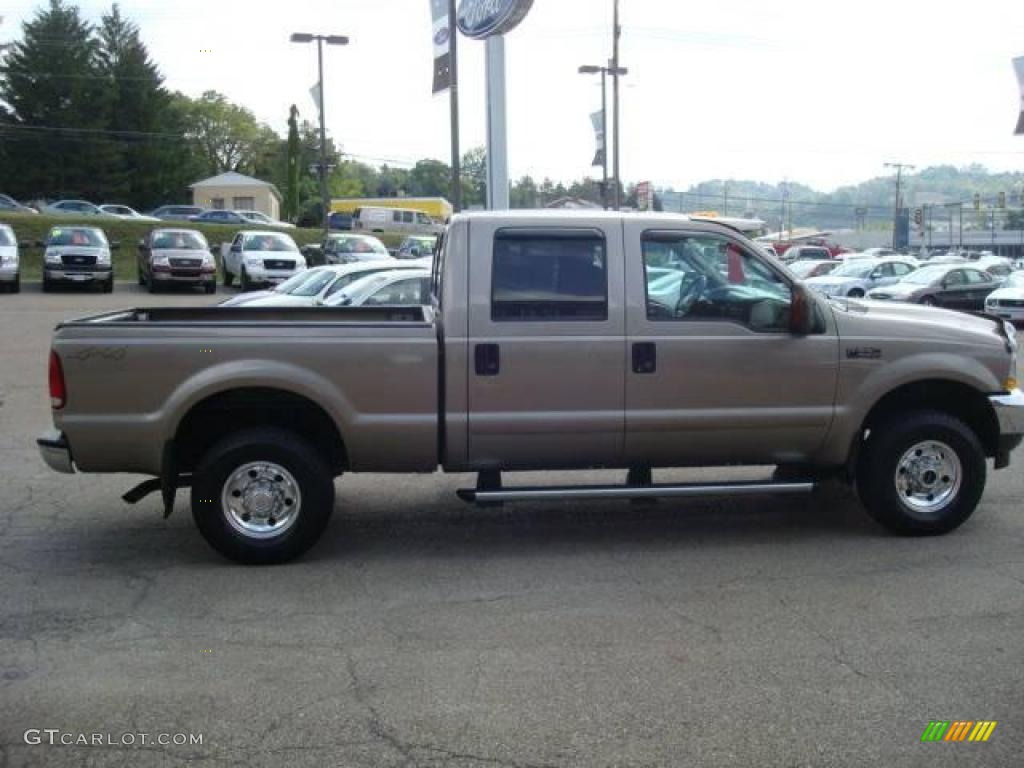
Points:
(569, 492)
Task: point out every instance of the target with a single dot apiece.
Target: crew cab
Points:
(542, 349)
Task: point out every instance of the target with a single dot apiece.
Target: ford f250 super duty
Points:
(552, 341)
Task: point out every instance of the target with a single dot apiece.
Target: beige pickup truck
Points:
(553, 341)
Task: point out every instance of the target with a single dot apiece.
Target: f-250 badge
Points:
(863, 353)
(104, 353)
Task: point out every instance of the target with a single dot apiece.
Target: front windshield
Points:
(355, 245)
(804, 268)
(854, 269)
(268, 242)
(925, 276)
(89, 238)
(315, 284)
(293, 283)
(178, 241)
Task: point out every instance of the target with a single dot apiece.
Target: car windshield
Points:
(178, 241)
(804, 268)
(5, 237)
(269, 243)
(355, 245)
(92, 238)
(314, 284)
(925, 276)
(292, 283)
(854, 269)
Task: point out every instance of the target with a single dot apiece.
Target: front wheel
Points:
(856, 293)
(229, 278)
(921, 474)
(262, 496)
(928, 301)
(244, 284)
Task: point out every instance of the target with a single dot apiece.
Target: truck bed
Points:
(196, 316)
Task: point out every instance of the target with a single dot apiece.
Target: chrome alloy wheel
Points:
(928, 477)
(261, 500)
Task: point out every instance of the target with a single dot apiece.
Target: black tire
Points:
(856, 293)
(16, 288)
(244, 284)
(928, 301)
(229, 278)
(269, 445)
(142, 280)
(209, 288)
(108, 287)
(879, 467)
(47, 286)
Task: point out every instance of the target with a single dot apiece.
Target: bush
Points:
(32, 228)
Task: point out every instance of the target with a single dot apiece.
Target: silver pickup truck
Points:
(552, 341)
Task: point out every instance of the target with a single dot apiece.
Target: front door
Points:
(715, 375)
(546, 341)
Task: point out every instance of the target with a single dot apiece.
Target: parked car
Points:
(261, 258)
(169, 257)
(176, 212)
(220, 217)
(9, 205)
(878, 253)
(999, 267)
(394, 288)
(802, 252)
(73, 208)
(854, 279)
(1007, 301)
(10, 263)
(76, 256)
(907, 403)
(406, 220)
(314, 286)
(417, 247)
(941, 285)
(347, 249)
(813, 267)
(125, 212)
(258, 217)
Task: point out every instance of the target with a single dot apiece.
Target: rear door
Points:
(953, 292)
(714, 374)
(980, 284)
(546, 344)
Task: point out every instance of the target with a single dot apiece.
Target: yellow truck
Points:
(436, 208)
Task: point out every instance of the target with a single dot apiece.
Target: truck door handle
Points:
(488, 359)
(645, 357)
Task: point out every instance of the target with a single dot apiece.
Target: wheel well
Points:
(960, 400)
(218, 415)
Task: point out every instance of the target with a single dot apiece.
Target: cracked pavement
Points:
(421, 632)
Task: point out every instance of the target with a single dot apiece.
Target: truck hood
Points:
(884, 319)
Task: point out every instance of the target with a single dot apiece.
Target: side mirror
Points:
(801, 311)
(115, 245)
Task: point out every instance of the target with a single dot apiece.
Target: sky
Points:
(817, 92)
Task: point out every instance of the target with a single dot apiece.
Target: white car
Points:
(258, 217)
(124, 212)
(1007, 301)
(395, 288)
(10, 264)
(854, 278)
(312, 287)
(261, 258)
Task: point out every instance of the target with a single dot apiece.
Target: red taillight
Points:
(58, 393)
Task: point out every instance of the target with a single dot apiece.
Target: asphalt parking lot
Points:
(421, 632)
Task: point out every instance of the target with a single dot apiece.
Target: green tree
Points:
(474, 177)
(227, 135)
(429, 178)
(292, 194)
(51, 84)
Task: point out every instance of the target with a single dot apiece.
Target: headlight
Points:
(253, 261)
(161, 261)
(53, 257)
(103, 257)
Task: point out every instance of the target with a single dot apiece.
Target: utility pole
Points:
(899, 202)
(453, 96)
(616, 34)
(590, 69)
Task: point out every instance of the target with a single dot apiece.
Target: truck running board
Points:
(570, 492)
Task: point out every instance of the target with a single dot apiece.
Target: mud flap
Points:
(168, 483)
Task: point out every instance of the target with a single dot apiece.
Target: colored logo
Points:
(480, 19)
(958, 730)
(441, 37)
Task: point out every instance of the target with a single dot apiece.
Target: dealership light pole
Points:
(300, 37)
(899, 203)
(615, 71)
(590, 69)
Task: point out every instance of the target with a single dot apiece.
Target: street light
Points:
(593, 69)
(305, 37)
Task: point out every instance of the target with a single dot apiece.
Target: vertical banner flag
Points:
(1018, 65)
(442, 45)
(598, 120)
(315, 93)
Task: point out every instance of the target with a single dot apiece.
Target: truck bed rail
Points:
(261, 316)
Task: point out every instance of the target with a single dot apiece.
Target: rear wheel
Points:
(210, 287)
(262, 496)
(922, 473)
